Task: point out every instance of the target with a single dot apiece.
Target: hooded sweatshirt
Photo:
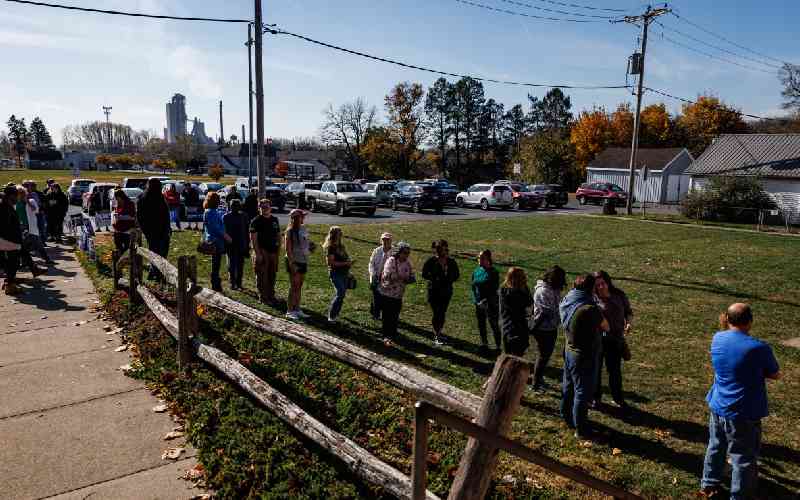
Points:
(572, 301)
(545, 307)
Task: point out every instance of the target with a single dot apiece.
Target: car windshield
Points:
(538, 187)
(520, 188)
(349, 188)
(83, 183)
(615, 188)
(313, 186)
(136, 183)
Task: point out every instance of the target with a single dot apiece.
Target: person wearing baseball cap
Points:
(376, 262)
(298, 248)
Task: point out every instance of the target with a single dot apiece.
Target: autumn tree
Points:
(706, 119)
(656, 127)
(405, 113)
(105, 160)
(547, 157)
(216, 172)
(346, 128)
(438, 107)
(382, 151)
(590, 135)
(622, 125)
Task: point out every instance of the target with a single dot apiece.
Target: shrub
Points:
(727, 198)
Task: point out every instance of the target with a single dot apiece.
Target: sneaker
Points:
(710, 492)
(438, 340)
(301, 314)
(12, 289)
(332, 321)
(292, 315)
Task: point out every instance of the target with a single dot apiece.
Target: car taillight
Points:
(494, 194)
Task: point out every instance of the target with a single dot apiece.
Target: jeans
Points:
(375, 305)
(491, 314)
(175, 216)
(546, 342)
(266, 272)
(612, 356)
(577, 389)
(439, 304)
(216, 263)
(390, 310)
(339, 281)
(741, 440)
(236, 267)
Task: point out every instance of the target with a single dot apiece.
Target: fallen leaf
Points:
(125, 368)
(121, 348)
(194, 473)
(509, 479)
(43, 317)
(586, 444)
(160, 408)
(172, 453)
(115, 331)
(674, 480)
(173, 435)
(616, 451)
(28, 322)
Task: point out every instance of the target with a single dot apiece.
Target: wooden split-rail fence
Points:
(485, 420)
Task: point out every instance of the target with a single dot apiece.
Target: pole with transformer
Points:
(107, 111)
(649, 15)
(250, 104)
(259, 37)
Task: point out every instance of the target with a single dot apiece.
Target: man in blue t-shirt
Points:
(738, 402)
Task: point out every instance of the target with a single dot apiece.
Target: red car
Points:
(598, 192)
(524, 198)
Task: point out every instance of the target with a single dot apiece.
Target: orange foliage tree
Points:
(590, 135)
(216, 172)
(707, 118)
(656, 126)
(622, 125)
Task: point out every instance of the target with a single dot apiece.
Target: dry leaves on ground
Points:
(172, 453)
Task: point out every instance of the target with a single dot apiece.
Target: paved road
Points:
(72, 425)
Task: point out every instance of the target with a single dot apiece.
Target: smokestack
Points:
(241, 140)
(221, 129)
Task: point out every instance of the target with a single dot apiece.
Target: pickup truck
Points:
(341, 197)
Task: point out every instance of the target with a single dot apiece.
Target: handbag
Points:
(351, 282)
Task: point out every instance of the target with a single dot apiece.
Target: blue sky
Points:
(65, 66)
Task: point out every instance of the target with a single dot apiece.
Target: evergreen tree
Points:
(39, 134)
(18, 135)
(515, 124)
(438, 108)
(469, 105)
(553, 112)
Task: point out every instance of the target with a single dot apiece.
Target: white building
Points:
(666, 182)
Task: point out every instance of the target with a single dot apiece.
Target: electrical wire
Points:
(129, 14)
(705, 30)
(576, 6)
(532, 16)
(721, 49)
(689, 101)
(436, 71)
(555, 11)
(712, 56)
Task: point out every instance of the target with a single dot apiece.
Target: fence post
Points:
(186, 312)
(133, 271)
(115, 274)
(419, 469)
(500, 403)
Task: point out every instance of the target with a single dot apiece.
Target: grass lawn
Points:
(678, 279)
(64, 177)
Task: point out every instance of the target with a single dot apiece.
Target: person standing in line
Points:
(214, 233)
(339, 264)
(233, 194)
(173, 199)
(41, 214)
(397, 273)
(123, 220)
(737, 402)
(238, 247)
(20, 206)
(33, 240)
(10, 239)
(583, 323)
(376, 262)
(485, 289)
(515, 300)
(441, 271)
(191, 199)
(152, 213)
(545, 320)
(617, 310)
(57, 208)
(265, 237)
(251, 204)
(298, 248)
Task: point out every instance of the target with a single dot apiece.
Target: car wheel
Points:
(415, 207)
(484, 204)
(371, 212)
(515, 204)
(341, 210)
(460, 202)
(394, 205)
(312, 203)
(439, 209)
(582, 200)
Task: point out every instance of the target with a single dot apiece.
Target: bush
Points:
(727, 198)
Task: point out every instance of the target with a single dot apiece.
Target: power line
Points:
(717, 47)
(689, 101)
(712, 56)
(705, 30)
(533, 16)
(556, 11)
(440, 72)
(576, 6)
(129, 14)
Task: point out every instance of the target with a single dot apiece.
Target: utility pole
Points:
(649, 15)
(260, 165)
(250, 103)
(107, 111)
(222, 140)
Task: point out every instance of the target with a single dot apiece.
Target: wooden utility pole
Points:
(259, 37)
(250, 104)
(649, 15)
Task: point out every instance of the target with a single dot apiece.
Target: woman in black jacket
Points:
(152, 213)
(515, 300)
(237, 226)
(57, 206)
(441, 271)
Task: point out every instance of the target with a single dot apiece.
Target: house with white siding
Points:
(666, 181)
(773, 159)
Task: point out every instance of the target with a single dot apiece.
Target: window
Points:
(501, 189)
(348, 188)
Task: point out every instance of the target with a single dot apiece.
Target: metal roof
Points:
(654, 158)
(760, 155)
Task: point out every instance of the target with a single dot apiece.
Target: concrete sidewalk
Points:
(72, 425)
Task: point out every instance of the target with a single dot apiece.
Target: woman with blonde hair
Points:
(339, 264)
(515, 300)
(298, 247)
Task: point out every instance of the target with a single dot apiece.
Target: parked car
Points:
(418, 197)
(555, 195)
(166, 184)
(209, 186)
(447, 190)
(599, 192)
(102, 188)
(296, 192)
(486, 196)
(382, 191)
(76, 190)
(524, 198)
(134, 182)
(342, 197)
(277, 197)
(133, 194)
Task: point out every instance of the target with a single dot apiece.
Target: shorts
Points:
(300, 267)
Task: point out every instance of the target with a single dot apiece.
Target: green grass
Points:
(678, 279)
(64, 177)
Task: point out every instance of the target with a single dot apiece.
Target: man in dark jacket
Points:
(11, 233)
(57, 207)
(152, 214)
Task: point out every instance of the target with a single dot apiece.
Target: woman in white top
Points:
(376, 262)
(298, 247)
(34, 241)
(397, 273)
